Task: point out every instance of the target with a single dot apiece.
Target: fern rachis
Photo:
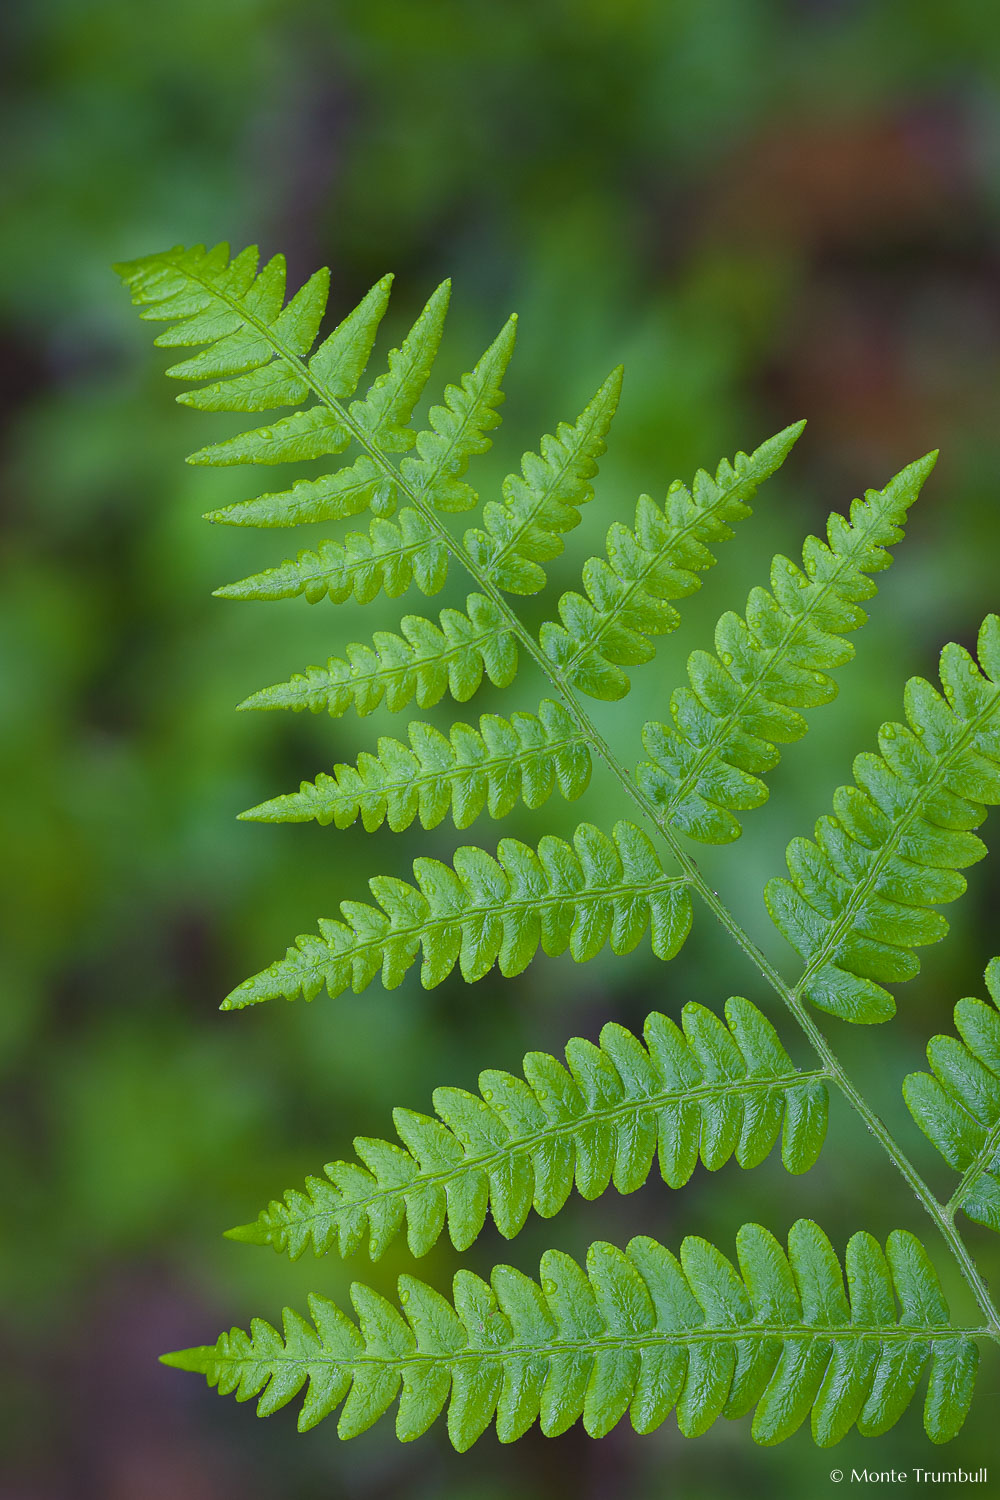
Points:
(639, 1331)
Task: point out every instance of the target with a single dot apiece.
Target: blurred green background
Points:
(768, 211)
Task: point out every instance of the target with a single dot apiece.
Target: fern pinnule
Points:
(483, 911)
(458, 430)
(709, 1091)
(391, 556)
(957, 1105)
(538, 506)
(336, 496)
(525, 758)
(423, 663)
(859, 898)
(381, 419)
(744, 699)
(638, 1332)
(629, 594)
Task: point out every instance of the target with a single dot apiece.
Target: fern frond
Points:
(212, 298)
(958, 1106)
(858, 900)
(524, 758)
(542, 503)
(629, 593)
(711, 1090)
(423, 663)
(484, 911)
(744, 700)
(639, 1331)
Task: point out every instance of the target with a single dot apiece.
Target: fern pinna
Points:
(638, 1331)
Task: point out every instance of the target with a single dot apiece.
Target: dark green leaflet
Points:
(957, 1105)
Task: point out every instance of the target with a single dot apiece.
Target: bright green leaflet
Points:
(746, 698)
(639, 1331)
(709, 1091)
(482, 911)
(858, 900)
(524, 758)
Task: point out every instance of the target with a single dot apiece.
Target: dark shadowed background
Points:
(767, 211)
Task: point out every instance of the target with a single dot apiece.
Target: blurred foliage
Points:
(767, 211)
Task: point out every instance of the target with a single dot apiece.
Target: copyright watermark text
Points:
(910, 1476)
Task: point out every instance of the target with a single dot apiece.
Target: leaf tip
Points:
(247, 1234)
(612, 386)
(915, 474)
(262, 812)
(188, 1359)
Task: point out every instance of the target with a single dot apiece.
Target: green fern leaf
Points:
(745, 699)
(958, 1105)
(458, 430)
(383, 416)
(640, 1332)
(858, 900)
(303, 435)
(629, 593)
(346, 492)
(543, 502)
(212, 299)
(505, 761)
(392, 556)
(484, 911)
(711, 1090)
(423, 663)
(341, 360)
